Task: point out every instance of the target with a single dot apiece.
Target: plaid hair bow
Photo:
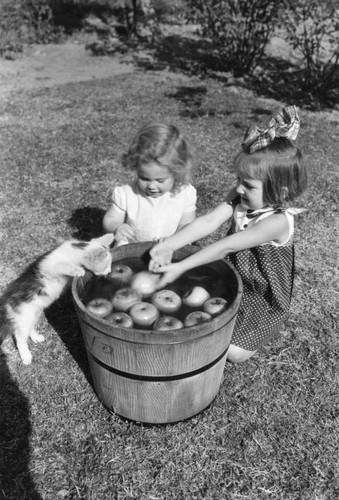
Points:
(285, 124)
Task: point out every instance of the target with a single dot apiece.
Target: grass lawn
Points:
(272, 432)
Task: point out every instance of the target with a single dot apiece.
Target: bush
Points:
(148, 14)
(43, 21)
(238, 29)
(312, 28)
(26, 21)
(167, 11)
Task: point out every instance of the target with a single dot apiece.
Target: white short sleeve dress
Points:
(153, 218)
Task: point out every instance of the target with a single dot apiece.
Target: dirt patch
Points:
(57, 64)
(49, 65)
(41, 66)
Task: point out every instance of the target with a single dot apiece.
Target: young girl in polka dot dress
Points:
(270, 175)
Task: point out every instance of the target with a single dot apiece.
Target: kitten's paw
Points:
(27, 360)
(26, 357)
(70, 269)
(36, 337)
(79, 271)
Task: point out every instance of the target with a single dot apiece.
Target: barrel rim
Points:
(135, 335)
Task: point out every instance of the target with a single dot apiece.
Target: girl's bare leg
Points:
(238, 355)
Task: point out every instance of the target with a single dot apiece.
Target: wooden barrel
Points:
(158, 377)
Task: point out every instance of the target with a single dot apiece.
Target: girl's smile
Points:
(251, 193)
(154, 180)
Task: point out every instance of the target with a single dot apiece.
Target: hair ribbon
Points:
(285, 124)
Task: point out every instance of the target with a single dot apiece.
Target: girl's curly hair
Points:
(164, 145)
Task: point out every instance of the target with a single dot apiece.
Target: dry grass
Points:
(272, 432)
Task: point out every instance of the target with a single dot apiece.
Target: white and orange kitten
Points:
(42, 282)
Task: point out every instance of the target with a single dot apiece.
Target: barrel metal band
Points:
(157, 378)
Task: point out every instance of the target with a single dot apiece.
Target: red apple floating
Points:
(120, 319)
(120, 272)
(166, 301)
(195, 297)
(215, 306)
(124, 298)
(100, 307)
(167, 323)
(144, 314)
(145, 283)
(197, 317)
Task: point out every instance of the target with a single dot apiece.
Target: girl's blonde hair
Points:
(279, 166)
(164, 145)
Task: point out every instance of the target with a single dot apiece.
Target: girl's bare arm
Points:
(269, 229)
(186, 219)
(199, 228)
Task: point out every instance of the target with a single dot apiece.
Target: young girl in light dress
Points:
(160, 200)
(270, 174)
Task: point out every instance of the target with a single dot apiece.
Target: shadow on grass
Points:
(191, 100)
(277, 78)
(194, 102)
(64, 320)
(187, 54)
(15, 431)
(86, 222)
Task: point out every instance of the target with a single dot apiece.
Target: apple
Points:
(197, 317)
(167, 323)
(120, 272)
(166, 301)
(145, 283)
(144, 313)
(196, 296)
(120, 319)
(215, 306)
(124, 298)
(100, 307)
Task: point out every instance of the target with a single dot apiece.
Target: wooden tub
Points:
(158, 377)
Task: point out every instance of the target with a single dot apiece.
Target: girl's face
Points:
(251, 193)
(154, 180)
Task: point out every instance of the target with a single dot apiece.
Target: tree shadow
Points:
(191, 99)
(193, 103)
(86, 222)
(276, 78)
(15, 431)
(187, 54)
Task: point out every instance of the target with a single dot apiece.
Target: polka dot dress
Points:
(267, 275)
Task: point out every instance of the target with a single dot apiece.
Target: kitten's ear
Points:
(105, 240)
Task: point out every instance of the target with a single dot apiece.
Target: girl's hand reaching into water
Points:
(171, 272)
(160, 256)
